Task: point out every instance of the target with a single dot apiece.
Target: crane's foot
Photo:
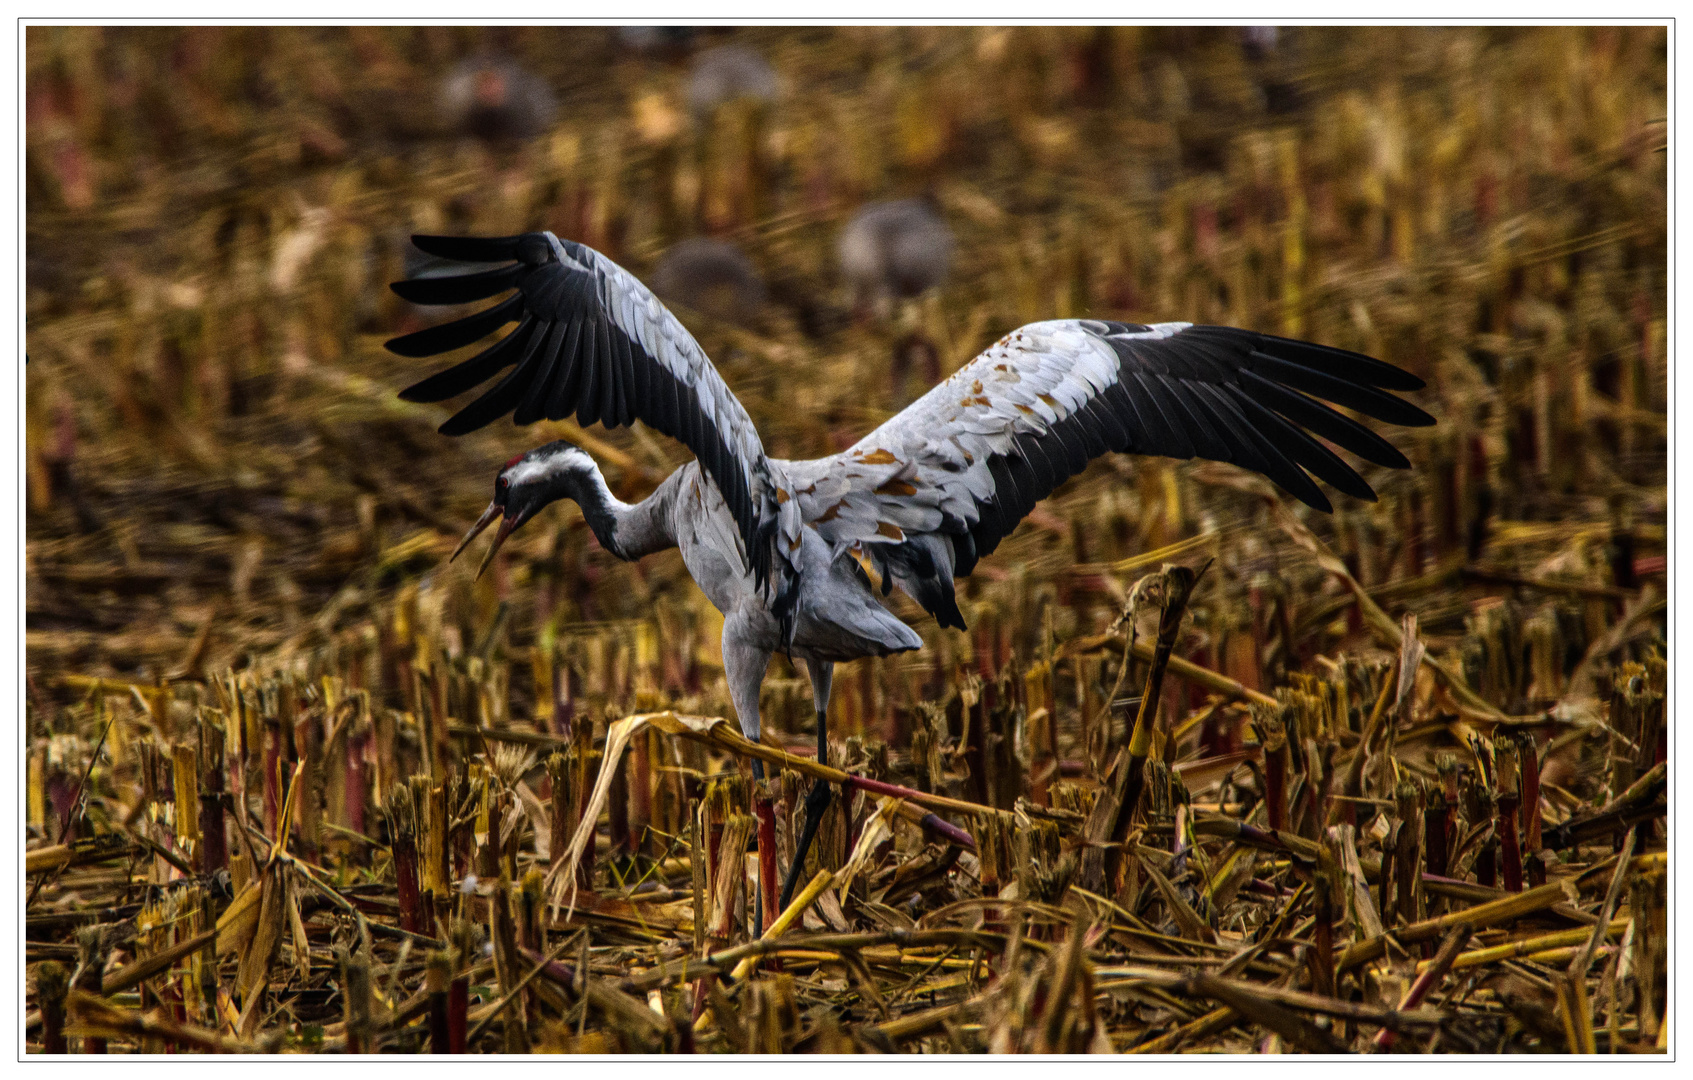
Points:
(815, 804)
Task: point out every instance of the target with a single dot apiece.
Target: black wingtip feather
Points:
(1302, 448)
(457, 288)
(945, 609)
(1336, 427)
(562, 396)
(1342, 363)
(1252, 451)
(1199, 432)
(1365, 399)
(478, 369)
(532, 402)
(500, 400)
(458, 333)
(1164, 432)
(469, 248)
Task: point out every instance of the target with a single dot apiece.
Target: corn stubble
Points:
(1393, 780)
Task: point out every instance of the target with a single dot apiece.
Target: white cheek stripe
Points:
(531, 469)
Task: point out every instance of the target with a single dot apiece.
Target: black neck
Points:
(590, 493)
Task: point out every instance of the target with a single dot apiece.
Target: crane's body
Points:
(837, 617)
(794, 553)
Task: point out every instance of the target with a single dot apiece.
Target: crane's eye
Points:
(503, 483)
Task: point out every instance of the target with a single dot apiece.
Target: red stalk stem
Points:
(1429, 979)
(439, 1041)
(1275, 788)
(458, 1009)
(90, 983)
(214, 845)
(766, 854)
(273, 779)
(405, 874)
(1510, 850)
(1434, 835)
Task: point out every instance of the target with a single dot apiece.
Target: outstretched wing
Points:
(590, 340)
(928, 493)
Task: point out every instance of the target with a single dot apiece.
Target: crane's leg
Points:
(744, 665)
(822, 677)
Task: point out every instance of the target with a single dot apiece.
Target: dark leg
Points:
(815, 804)
(758, 916)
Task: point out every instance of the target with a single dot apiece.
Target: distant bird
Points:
(496, 99)
(1259, 42)
(656, 39)
(711, 276)
(893, 250)
(726, 73)
(793, 553)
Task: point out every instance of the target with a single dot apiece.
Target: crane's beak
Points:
(482, 522)
(506, 525)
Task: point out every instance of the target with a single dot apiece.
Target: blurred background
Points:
(220, 477)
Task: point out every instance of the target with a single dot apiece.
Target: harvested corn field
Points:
(1208, 771)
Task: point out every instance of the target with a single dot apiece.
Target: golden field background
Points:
(225, 497)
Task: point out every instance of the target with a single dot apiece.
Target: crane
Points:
(892, 250)
(794, 553)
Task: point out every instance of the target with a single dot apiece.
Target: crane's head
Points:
(527, 484)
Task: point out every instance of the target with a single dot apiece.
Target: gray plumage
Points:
(894, 250)
(794, 553)
(726, 73)
(709, 275)
(837, 618)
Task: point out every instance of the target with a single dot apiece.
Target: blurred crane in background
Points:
(728, 73)
(495, 99)
(709, 275)
(893, 251)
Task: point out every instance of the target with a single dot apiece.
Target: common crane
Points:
(496, 99)
(893, 250)
(793, 552)
(711, 276)
(726, 73)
